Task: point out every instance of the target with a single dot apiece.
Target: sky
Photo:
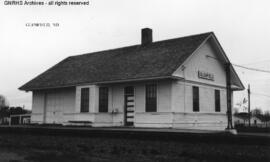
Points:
(242, 27)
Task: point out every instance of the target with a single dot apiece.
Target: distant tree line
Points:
(263, 116)
(257, 112)
(6, 110)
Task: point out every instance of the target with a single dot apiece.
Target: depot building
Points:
(175, 83)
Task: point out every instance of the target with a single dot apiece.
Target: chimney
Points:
(147, 36)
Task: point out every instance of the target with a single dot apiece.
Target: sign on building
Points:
(205, 75)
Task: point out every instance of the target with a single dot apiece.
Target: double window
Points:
(217, 100)
(151, 97)
(196, 101)
(103, 99)
(85, 100)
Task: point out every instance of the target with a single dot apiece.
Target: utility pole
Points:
(229, 100)
(229, 92)
(249, 114)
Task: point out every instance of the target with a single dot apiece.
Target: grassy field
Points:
(45, 148)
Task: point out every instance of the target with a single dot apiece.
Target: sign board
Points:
(205, 75)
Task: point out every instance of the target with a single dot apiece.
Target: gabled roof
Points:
(155, 60)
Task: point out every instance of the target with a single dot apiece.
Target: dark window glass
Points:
(85, 100)
(217, 100)
(151, 98)
(196, 105)
(129, 90)
(103, 99)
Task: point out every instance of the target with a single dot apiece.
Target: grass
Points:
(254, 129)
(44, 148)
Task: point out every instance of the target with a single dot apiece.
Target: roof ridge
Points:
(139, 45)
(203, 41)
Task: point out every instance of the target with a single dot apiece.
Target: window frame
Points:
(196, 98)
(217, 101)
(103, 104)
(151, 97)
(85, 100)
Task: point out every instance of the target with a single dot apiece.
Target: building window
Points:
(196, 105)
(151, 98)
(103, 99)
(217, 100)
(85, 100)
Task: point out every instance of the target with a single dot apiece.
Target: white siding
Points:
(116, 101)
(182, 100)
(174, 100)
(93, 98)
(163, 116)
(200, 61)
(183, 97)
(37, 107)
(57, 103)
(164, 96)
(208, 121)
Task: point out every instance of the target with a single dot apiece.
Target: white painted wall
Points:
(163, 116)
(174, 99)
(182, 97)
(200, 61)
(37, 107)
(206, 118)
(57, 103)
(207, 121)
(116, 101)
(93, 98)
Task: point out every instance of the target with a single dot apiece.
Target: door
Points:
(53, 107)
(129, 106)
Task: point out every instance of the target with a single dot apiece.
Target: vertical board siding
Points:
(58, 102)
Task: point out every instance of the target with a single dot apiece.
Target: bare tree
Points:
(257, 112)
(3, 108)
(3, 101)
(266, 117)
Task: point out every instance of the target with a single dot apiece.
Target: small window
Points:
(103, 99)
(196, 105)
(217, 100)
(85, 100)
(151, 98)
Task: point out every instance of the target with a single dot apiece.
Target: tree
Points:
(17, 110)
(4, 112)
(257, 112)
(3, 101)
(266, 117)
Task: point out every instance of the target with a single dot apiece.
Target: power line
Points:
(253, 69)
(241, 66)
(260, 94)
(252, 63)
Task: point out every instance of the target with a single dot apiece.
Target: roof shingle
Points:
(157, 59)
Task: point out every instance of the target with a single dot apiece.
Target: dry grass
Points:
(97, 149)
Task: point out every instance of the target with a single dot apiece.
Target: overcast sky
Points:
(242, 27)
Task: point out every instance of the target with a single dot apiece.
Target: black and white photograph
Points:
(134, 81)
